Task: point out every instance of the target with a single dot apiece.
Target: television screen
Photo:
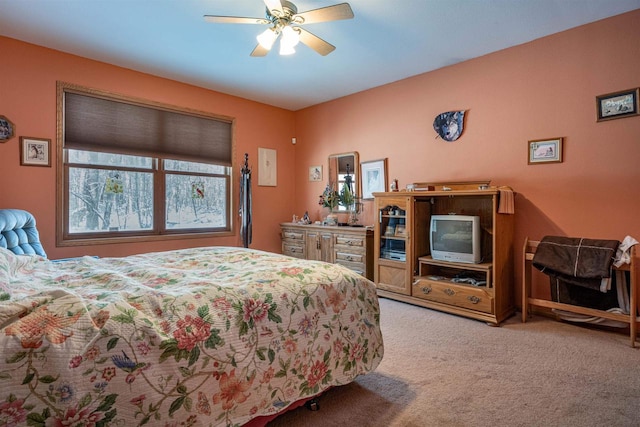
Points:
(455, 238)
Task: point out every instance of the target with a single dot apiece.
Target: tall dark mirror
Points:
(344, 169)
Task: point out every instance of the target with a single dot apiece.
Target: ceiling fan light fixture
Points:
(286, 49)
(290, 37)
(284, 20)
(267, 38)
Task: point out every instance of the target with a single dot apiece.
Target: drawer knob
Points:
(474, 299)
(449, 292)
(426, 290)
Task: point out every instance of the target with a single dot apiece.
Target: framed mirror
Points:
(342, 167)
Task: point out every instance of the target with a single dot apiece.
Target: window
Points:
(131, 170)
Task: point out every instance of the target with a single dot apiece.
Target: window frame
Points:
(159, 231)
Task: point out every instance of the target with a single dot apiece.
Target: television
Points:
(455, 238)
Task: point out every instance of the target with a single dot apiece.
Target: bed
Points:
(214, 336)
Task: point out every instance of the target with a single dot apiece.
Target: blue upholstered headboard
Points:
(18, 232)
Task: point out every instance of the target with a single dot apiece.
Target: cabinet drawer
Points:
(293, 249)
(351, 241)
(349, 257)
(292, 235)
(450, 293)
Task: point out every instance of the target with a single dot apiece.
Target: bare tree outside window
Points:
(115, 193)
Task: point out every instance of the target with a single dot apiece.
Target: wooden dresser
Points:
(348, 246)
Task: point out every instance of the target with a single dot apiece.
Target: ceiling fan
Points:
(284, 21)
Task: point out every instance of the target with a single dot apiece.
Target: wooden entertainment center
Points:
(405, 271)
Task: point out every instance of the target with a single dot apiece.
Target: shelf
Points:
(444, 273)
(484, 266)
(449, 281)
(394, 238)
(400, 257)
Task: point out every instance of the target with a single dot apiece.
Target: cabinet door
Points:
(392, 219)
(319, 246)
(393, 278)
(393, 266)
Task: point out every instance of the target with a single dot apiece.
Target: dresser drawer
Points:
(349, 241)
(292, 235)
(450, 293)
(293, 249)
(349, 257)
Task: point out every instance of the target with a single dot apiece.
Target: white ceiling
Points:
(388, 40)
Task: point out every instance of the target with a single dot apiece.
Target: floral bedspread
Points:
(196, 337)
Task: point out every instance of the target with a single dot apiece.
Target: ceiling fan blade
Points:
(234, 20)
(275, 7)
(324, 14)
(315, 42)
(259, 51)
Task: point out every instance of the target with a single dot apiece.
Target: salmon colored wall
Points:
(542, 89)
(28, 99)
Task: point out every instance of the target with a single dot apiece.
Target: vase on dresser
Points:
(331, 218)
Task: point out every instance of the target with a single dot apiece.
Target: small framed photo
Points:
(315, 173)
(617, 105)
(7, 130)
(374, 177)
(35, 151)
(390, 231)
(401, 231)
(545, 151)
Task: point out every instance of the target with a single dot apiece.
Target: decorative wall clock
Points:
(7, 130)
(449, 125)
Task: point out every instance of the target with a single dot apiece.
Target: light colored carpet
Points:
(445, 370)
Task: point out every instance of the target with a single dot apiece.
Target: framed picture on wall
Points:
(374, 177)
(545, 151)
(315, 173)
(617, 105)
(35, 151)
